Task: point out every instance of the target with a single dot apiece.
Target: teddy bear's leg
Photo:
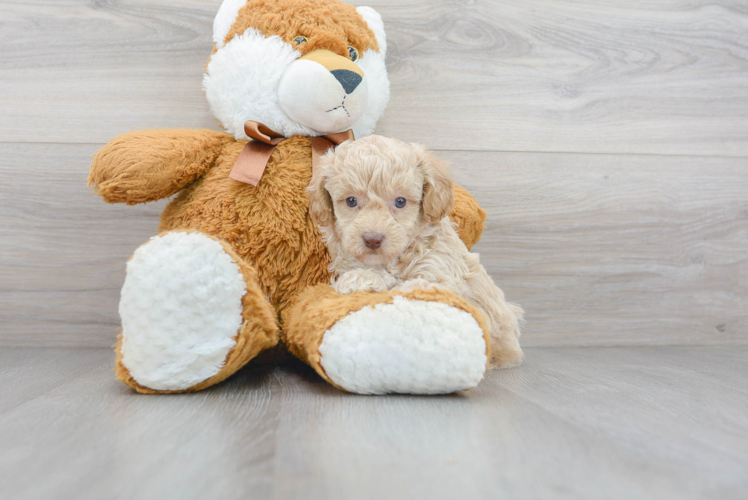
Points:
(192, 315)
(417, 342)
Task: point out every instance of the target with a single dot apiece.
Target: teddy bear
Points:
(238, 266)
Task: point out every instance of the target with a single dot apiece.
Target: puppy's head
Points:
(300, 67)
(375, 195)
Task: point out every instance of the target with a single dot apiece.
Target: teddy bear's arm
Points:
(469, 217)
(138, 167)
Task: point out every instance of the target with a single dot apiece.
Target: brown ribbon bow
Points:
(253, 159)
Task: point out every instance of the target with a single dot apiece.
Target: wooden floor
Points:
(576, 423)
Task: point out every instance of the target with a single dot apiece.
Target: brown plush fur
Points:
(312, 19)
(318, 308)
(267, 226)
(150, 165)
(469, 216)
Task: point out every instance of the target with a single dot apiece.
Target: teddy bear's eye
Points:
(351, 202)
(353, 54)
(300, 39)
(400, 202)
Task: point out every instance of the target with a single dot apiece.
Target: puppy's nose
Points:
(348, 79)
(373, 240)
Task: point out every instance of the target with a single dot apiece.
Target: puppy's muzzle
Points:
(373, 240)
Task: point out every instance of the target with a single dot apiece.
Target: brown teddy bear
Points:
(238, 264)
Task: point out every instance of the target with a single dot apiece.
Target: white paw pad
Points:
(407, 347)
(181, 308)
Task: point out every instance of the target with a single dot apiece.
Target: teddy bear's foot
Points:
(408, 346)
(415, 342)
(192, 314)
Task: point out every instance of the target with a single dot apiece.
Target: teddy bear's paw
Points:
(407, 347)
(181, 309)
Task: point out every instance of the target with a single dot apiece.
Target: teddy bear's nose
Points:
(373, 240)
(348, 79)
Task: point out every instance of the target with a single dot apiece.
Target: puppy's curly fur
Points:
(382, 206)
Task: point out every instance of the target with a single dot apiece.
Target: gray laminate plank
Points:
(94, 438)
(665, 403)
(487, 443)
(541, 75)
(577, 423)
(62, 250)
(612, 250)
(599, 249)
(30, 373)
(613, 438)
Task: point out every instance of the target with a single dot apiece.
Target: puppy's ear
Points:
(320, 202)
(438, 188)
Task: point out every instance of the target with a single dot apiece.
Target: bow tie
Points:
(253, 159)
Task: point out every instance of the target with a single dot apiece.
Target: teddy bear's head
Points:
(300, 67)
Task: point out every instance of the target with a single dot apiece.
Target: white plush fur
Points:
(225, 18)
(407, 347)
(308, 93)
(375, 23)
(373, 64)
(181, 309)
(418, 242)
(241, 84)
(378, 85)
(243, 81)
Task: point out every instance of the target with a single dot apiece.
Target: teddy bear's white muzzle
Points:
(321, 99)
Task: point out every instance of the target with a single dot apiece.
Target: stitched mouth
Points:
(342, 105)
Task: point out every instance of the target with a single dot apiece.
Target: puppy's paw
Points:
(360, 280)
(414, 284)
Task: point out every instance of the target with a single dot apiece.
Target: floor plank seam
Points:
(446, 150)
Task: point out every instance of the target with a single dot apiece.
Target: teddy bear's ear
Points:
(320, 202)
(225, 18)
(438, 188)
(374, 20)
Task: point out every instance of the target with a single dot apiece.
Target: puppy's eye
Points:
(300, 39)
(351, 202)
(400, 202)
(353, 54)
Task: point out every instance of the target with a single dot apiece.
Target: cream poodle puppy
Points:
(382, 206)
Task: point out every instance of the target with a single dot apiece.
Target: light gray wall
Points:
(608, 142)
